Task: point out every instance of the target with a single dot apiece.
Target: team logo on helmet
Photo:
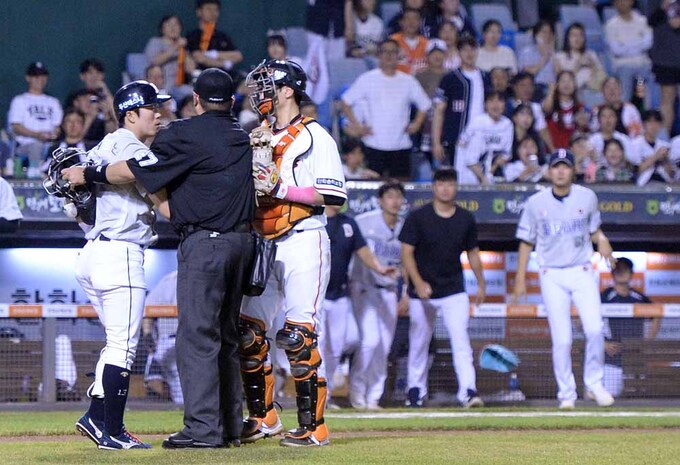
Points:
(135, 99)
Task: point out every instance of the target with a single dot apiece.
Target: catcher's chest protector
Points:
(275, 217)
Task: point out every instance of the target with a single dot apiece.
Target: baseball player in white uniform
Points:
(485, 144)
(163, 331)
(562, 223)
(375, 297)
(305, 173)
(110, 266)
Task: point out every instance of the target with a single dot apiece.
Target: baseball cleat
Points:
(413, 398)
(255, 429)
(302, 437)
(473, 400)
(125, 440)
(91, 429)
(601, 397)
(568, 404)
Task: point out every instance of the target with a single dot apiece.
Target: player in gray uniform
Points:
(563, 223)
(110, 266)
(375, 297)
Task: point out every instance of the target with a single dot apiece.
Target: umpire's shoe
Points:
(255, 428)
(91, 429)
(182, 441)
(124, 440)
(302, 437)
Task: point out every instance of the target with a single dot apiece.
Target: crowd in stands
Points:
(429, 95)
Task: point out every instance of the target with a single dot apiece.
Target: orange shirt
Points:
(414, 59)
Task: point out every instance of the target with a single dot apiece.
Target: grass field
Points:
(442, 436)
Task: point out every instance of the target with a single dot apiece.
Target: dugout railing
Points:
(41, 344)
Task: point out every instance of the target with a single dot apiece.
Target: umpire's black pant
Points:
(210, 275)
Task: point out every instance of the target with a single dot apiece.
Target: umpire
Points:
(204, 166)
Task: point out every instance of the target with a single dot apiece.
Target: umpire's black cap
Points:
(214, 85)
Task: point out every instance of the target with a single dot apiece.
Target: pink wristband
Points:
(296, 194)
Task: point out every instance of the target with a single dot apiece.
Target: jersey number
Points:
(147, 158)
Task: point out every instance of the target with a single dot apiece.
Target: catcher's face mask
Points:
(262, 90)
(55, 185)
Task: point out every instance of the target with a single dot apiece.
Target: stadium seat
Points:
(389, 10)
(608, 13)
(481, 13)
(587, 16)
(343, 72)
(297, 41)
(135, 65)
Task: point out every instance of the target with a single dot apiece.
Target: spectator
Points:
(277, 47)
(309, 109)
(325, 23)
(365, 29)
(169, 51)
(430, 78)
(393, 24)
(353, 161)
(96, 126)
(486, 144)
(526, 167)
(607, 119)
(459, 99)
(73, 134)
(92, 75)
(629, 121)
(621, 330)
(449, 34)
(491, 54)
(210, 47)
(186, 108)
(523, 91)
(453, 11)
(584, 63)
(412, 44)
(154, 74)
(538, 58)
(585, 158)
(565, 114)
(523, 123)
(652, 155)
(500, 82)
(615, 167)
(10, 214)
(34, 118)
(665, 21)
(386, 95)
(629, 38)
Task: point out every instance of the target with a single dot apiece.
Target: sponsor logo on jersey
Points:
(328, 182)
(558, 228)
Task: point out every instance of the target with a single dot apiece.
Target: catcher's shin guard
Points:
(300, 343)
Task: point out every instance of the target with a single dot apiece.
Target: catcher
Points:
(297, 170)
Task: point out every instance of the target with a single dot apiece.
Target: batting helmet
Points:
(137, 94)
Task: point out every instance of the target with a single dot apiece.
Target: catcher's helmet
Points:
(137, 94)
(81, 196)
(264, 79)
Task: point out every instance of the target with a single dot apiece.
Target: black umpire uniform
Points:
(205, 165)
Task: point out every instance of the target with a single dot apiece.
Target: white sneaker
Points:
(601, 397)
(373, 406)
(567, 405)
(357, 402)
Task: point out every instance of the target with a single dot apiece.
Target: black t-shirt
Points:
(623, 328)
(438, 244)
(324, 15)
(205, 164)
(219, 41)
(345, 239)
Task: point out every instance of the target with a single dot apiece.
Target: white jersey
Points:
(312, 159)
(41, 113)
(597, 141)
(560, 229)
(9, 208)
(165, 293)
(124, 211)
(383, 242)
(482, 141)
(642, 150)
(385, 106)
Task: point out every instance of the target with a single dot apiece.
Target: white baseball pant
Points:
(112, 275)
(559, 287)
(341, 334)
(455, 311)
(376, 315)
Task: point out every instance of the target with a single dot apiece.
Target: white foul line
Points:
(402, 415)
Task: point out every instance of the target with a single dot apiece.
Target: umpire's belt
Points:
(189, 229)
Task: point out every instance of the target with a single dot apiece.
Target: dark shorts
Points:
(666, 75)
(392, 163)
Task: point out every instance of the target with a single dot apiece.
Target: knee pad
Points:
(300, 343)
(253, 345)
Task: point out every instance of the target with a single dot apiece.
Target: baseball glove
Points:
(266, 177)
(261, 142)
